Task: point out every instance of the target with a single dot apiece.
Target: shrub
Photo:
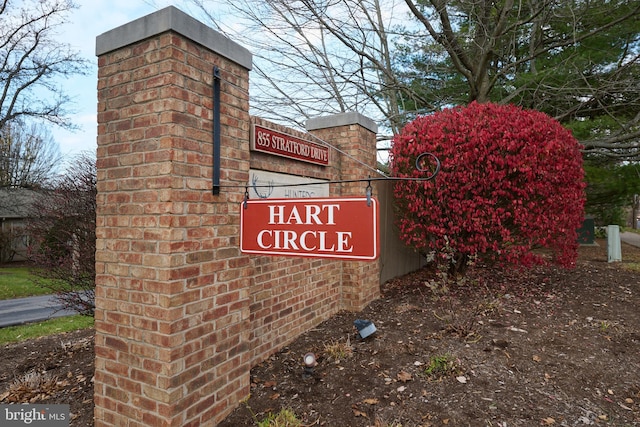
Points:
(511, 182)
(62, 228)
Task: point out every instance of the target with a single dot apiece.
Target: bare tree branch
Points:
(31, 61)
(28, 156)
(394, 59)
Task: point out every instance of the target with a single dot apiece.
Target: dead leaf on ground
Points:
(548, 421)
(404, 376)
(359, 413)
(371, 401)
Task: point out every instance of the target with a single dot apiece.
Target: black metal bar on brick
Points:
(216, 130)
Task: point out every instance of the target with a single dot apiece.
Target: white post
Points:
(613, 243)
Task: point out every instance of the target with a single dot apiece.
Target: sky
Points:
(92, 18)
(88, 21)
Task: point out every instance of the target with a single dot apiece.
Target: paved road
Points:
(32, 309)
(630, 238)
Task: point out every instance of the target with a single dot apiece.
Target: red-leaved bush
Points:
(511, 182)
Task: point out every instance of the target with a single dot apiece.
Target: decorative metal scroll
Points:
(422, 165)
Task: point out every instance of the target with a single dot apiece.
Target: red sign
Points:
(343, 228)
(278, 143)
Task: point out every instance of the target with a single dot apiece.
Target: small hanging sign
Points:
(285, 145)
(341, 228)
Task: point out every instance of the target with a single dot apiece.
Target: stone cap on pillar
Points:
(173, 19)
(342, 119)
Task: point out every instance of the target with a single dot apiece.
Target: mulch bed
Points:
(501, 348)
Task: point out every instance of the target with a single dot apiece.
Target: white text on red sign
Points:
(344, 228)
(281, 144)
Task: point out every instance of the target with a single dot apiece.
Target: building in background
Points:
(15, 205)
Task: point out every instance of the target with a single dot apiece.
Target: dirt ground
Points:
(502, 348)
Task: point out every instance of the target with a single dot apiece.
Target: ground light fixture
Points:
(364, 327)
(310, 362)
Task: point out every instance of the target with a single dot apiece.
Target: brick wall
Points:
(181, 314)
(172, 299)
(355, 136)
(290, 295)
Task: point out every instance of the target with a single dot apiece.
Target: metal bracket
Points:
(216, 130)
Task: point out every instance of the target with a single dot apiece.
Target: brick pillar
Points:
(172, 306)
(355, 135)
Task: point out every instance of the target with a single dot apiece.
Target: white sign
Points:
(269, 185)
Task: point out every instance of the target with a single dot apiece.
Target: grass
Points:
(441, 366)
(48, 327)
(633, 266)
(17, 282)
(284, 418)
(337, 350)
(33, 385)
